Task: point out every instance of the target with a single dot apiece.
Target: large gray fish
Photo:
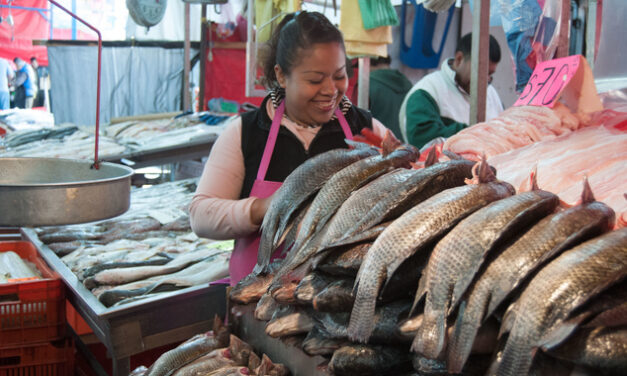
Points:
(410, 232)
(250, 288)
(344, 261)
(458, 256)
(421, 185)
(607, 309)
(368, 360)
(508, 270)
(336, 297)
(336, 190)
(601, 348)
(303, 182)
(538, 317)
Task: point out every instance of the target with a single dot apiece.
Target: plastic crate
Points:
(31, 311)
(49, 359)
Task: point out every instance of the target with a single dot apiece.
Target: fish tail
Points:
(462, 337)
(361, 322)
(515, 359)
(429, 340)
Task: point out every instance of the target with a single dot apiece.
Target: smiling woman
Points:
(304, 114)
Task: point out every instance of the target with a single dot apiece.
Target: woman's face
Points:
(316, 84)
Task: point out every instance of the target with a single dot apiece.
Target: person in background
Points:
(25, 88)
(305, 72)
(6, 76)
(41, 78)
(388, 88)
(439, 104)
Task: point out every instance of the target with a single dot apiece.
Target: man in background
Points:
(439, 104)
(41, 78)
(25, 87)
(6, 75)
(387, 90)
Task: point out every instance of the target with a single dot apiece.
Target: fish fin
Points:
(586, 194)
(508, 320)
(361, 323)
(432, 157)
(389, 142)
(530, 184)
(557, 334)
(429, 340)
(372, 138)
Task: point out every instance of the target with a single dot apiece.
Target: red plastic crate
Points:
(31, 311)
(45, 359)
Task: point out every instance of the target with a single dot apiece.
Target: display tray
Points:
(143, 325)
(291, 355)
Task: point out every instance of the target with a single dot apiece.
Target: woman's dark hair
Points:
(296, 32)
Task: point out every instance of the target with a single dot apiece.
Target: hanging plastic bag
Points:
(375, 13)
(436, 5)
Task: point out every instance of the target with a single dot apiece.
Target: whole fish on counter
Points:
(457, 257)
(414, 229)
(537, 318)
(12, 266)
(502, 275)
(303, 182)
(216, 359)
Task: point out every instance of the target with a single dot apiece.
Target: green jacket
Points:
(387, 90)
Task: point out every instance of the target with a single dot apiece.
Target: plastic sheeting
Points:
(610, 69)
(134, 81)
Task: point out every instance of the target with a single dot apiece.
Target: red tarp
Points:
(29, 23)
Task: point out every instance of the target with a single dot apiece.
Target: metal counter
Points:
(143, 325)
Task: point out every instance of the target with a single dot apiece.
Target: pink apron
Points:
(244, 256)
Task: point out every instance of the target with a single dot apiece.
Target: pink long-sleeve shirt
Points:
(216, 211)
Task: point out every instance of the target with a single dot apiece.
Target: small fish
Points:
(216, 359)
(368, 360)
(267, 367)
(240, 351)
(294, 323)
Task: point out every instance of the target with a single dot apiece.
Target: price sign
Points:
(548, 80)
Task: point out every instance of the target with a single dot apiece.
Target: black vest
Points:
(289, 152)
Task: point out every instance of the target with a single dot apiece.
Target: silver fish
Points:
(411, 231)
(537, 318)
(458, 256)
(508, 270)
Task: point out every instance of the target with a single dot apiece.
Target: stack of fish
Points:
(494, 275)
(215, 353)
(147, 251)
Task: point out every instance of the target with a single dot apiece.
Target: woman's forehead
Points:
(321, 57)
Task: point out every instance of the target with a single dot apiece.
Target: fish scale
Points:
(334, 193)
(401, 239)
(565, 283)
(458, 256)
(502, 275)
(297, 187)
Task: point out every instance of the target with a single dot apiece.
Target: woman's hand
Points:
(259, 208)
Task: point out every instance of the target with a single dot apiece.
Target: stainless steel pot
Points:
(53, 191)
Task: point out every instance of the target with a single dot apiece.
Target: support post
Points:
(591, 31)
(480, 60)
(203, 57)
(363, 87)
(186, 62)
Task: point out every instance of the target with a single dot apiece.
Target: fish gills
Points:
(561, 286)
(403, 237)
(304, 181)
(509, 269)
(458, 256)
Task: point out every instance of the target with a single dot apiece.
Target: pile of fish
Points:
(442, 269)
(147, 251)
(13, 267)
(215, 353)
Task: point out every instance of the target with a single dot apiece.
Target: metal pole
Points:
(591, 30)
(203, 57)
(250, 50)
(363, 87)
(96, 163)
(563, 45)
(186, 63)
(479, 63)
